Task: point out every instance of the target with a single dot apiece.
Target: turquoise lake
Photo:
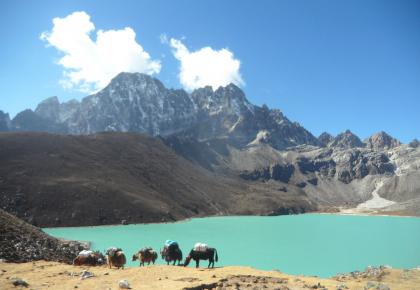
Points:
(310, 244)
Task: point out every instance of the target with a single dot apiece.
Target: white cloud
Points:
(206, 66)
(90, 64)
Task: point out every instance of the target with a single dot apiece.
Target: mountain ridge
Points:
(217, 136)
(136, 102)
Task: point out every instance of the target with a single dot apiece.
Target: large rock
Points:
(278, 172)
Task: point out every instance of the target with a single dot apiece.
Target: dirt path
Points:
(52, 275)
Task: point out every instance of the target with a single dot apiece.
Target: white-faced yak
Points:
(146, 255)
(209, 254)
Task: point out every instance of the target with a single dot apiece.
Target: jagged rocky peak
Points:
(346, 140)
(137, 102)
(29, 121)
(325, 138)
(139, 81)
(134, 102)
(381, 141)
(49, 108)
(4, 121)
(229, 99)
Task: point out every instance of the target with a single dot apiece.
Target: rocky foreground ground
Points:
(54, 275)
(22, 242)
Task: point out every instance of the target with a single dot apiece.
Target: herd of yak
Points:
(171, 253)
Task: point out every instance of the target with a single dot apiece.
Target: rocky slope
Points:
(333, 177)
(231, 145)
(64, 180)
(22, 242)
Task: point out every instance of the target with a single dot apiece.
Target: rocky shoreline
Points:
(22, 242)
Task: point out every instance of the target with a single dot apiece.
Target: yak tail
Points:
(217, 257)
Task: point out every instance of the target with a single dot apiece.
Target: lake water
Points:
(310, 244)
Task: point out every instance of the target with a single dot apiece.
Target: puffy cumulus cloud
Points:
(90, 64)
(206, 66)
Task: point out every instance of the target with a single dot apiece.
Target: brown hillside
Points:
(62, 180)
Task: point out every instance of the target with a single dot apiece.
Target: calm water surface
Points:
(310, 244)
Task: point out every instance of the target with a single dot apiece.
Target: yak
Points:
(208, 254)
(115, 257)
(92, 259)
(146, 255)
(171, 254)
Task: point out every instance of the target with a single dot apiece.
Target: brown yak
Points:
(115, 257)
(146, 255)
(92, 259)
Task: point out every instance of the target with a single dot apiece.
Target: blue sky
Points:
(329, 65)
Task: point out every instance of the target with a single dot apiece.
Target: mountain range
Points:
(228, 143)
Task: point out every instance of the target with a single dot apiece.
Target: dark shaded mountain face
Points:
(64, 180)
(135, 102)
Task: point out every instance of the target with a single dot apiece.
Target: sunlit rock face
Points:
(135, 102)
(381, 141)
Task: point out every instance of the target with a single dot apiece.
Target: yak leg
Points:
(197, 263)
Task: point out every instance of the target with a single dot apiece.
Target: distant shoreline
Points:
(338, 213)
